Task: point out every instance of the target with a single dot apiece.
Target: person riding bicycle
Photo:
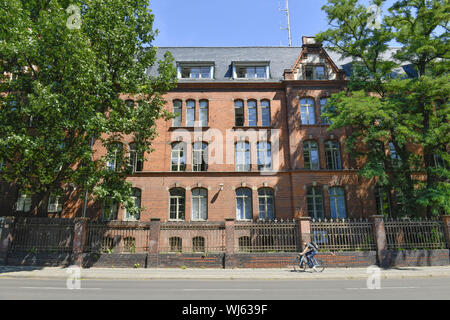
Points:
(309, 251)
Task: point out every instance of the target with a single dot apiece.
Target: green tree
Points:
(400, 125)
(64, 72)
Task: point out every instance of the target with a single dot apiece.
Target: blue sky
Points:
(235, 22)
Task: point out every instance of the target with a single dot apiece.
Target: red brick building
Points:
(248, 142)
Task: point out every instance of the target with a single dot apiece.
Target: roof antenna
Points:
(288, 28)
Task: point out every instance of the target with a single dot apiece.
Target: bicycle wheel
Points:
(319, 265)
(296, 264)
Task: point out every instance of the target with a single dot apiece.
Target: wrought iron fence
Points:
(267, 236)
(117, 237)
(343, 235)
(43, 235)
(190, 237)
(414, 234)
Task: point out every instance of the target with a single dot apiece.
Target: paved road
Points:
(410, 289)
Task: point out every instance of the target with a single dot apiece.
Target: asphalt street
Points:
(326, 289)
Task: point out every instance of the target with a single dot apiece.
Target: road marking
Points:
(59, 288)
(222, 289)
(382, 288)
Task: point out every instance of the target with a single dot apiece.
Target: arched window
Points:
(23, 203)
(245, 244)
(239, 113)
(395, 157)
(323, 102)
(311, 155)
(333, 155)
(199, 204)
(265, 113)
(176, 122)
(110, 209)
(337, 203)
(177, 200)
(242, 156)
(129, 244)
(200, 156)
(136, 159)
(178, 156)
(244, 204)
(382, 201)
(203, 112)
(198, 244)
(264, 152)
(108, 244)
(314, 201)
(114, 156)
(266, 204)
(307, 111)
(175, 244)
(252, 113)
(190, 113)
(137, 203)
(54, 203)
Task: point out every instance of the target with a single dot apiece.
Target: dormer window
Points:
(258, 70)
(315, 72)
(195, 71)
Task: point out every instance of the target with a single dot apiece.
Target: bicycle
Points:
(300, 263)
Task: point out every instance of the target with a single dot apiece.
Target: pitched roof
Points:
(279, 58)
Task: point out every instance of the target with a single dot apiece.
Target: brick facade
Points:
(221, 180)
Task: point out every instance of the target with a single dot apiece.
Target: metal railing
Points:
(414, 234)
(192, 237)
(267, 236)
(117, 237)
(42, 235)
(343, 235)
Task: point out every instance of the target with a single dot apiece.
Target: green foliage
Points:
(382, 108)
(66, 88)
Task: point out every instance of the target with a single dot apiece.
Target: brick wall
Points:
(411, 258)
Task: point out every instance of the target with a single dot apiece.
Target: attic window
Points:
(195, 71)
(251, 70)
(315, 72)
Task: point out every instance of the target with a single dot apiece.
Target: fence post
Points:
(153, 244)
(6, 236)
(304, 230)
(229, 243)
(79, 238)
(446, 222)
(379, 234)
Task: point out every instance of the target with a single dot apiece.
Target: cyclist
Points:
(309, 251)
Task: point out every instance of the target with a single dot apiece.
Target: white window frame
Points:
(238, 65)
(307, 148)
(264, 148)
(177, 151)
(316, 198)
(191, 66)
(243, 198)
(115, 207)
(134, 217)
(54, 205)
(241, 165)
(178, 211)
(308, 104)
(197, 216)
(23, 202)
(332, 146)
(264, 197)
(178, 120)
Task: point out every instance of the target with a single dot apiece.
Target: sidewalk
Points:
(219, 274)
